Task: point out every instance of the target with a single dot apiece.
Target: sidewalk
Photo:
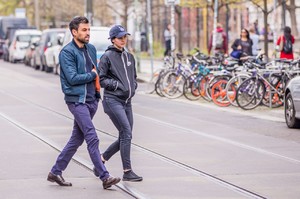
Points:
(146, 68)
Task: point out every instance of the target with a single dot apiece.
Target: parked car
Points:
(28, 60)
(98, 37)
(51, 54)
(9, 38)
(20, 42)
(292, 103)
(9, 22)
(48, 38)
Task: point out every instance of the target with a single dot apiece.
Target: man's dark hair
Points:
(74, 24)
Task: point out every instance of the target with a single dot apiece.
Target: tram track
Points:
(76, 159)
(130, 191)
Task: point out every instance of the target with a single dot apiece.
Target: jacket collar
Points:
(77, 45)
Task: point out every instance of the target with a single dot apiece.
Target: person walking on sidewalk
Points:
(255, 41)
(78, 73)
(285, 44)
(118, 78)
(167, 37)
(220, 41)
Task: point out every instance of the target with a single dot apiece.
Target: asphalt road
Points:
(182, 149)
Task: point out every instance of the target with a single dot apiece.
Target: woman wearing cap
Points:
(118, 78)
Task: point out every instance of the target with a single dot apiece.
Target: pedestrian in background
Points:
(167, 37)
(255, 41)
(243, 44)
(220, 41)
(256, 29)
(78, 73)
(118, 78)
(285, 44)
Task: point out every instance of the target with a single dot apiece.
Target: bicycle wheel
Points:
(232, 86)
(203, 85)
(211, 82)
(277, 96)
(190, 87)
(159, 83)
(151, 84)
(218, 93)
(172, 85)
(250, 93)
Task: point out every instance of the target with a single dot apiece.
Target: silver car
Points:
(20, 43)
(292, 103)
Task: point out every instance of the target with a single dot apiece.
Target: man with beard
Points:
(78, 74)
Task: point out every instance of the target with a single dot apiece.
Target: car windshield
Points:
(99, 39)
(26, 38)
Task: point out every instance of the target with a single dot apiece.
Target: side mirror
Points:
(49, 44)
(60, 41)
(35, 44)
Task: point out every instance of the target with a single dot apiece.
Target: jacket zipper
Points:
(126, 78)
(85, 89)
(91, 58)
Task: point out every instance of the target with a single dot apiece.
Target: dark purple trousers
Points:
(83, 129)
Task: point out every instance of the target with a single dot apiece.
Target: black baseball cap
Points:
(117, 31)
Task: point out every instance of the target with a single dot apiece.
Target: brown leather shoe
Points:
(58, 179)
(108, 182)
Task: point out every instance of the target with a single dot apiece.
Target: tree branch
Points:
(256, 4)
(115, 10)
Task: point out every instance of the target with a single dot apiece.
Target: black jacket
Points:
(118, 74)
(246, 46)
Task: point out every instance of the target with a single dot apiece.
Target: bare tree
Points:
(266, 12)
(122, 9)
(292, 10)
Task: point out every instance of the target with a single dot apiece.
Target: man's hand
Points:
(97, 82)
(95, 71)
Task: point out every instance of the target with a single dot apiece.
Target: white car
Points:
(98, 37)
(20, 43)
(49, 39)
(52, 52)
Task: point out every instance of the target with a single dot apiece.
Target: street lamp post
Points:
(89, 10)
(137, 36)
(215, 25)
(172, 3)
(150, 34)
(36, 14)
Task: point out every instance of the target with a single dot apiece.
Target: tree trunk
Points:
(265, 11)
(292, 10)
(179, 31)
(198, 26)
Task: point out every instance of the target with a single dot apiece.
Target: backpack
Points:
(219, 40)
(287, 46)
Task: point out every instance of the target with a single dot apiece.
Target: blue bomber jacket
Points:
(73, 75)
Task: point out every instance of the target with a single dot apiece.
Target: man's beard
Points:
(83, 40)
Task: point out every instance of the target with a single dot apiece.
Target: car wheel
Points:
(57, 71)
(48, 69)
(35, 66)
(12, 60)
(31, 62)
(290, 112)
